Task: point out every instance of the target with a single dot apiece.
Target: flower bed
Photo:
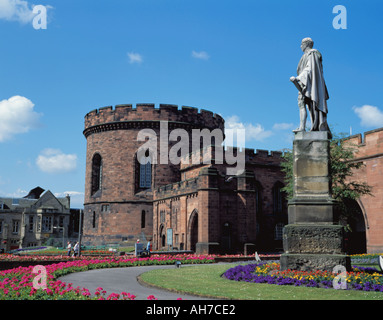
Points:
(55, 252)
(18, 283)
(9, 261)
(366, 279)
(365, 258)
(12, 257)
(241, 257)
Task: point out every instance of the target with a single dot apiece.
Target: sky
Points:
(60, 59)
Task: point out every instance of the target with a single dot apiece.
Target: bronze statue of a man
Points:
(312, 88)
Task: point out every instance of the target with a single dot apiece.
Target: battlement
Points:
(254, 154)
(370, 144)
(217, 155)
(149, 112)
(177, 188)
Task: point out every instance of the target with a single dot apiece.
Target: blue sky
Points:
(234, 58)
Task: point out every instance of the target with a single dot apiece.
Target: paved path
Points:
(118, 280)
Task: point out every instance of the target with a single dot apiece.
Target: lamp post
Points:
(79, 232)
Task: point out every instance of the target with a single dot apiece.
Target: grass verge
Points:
(206, 280)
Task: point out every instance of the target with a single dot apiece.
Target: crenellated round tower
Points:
(118, 204)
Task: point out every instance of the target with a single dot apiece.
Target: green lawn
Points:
(206, 280)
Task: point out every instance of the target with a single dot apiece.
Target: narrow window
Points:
(278, 231)
(31, 223)
(38, 223)
(145, 173)
(94, 219)
(15, 226)
(258, 198)
(143, 216)
(61, 221)
(96, 173)
(278, 197)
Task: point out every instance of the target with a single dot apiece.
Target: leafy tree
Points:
(287, 168)
(342, 167)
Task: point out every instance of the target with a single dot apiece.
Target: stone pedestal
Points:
(311, 240)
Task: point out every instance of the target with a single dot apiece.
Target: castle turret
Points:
(120, 174)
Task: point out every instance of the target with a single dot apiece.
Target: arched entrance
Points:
(193, 230)
(356, 233)
(162, 237)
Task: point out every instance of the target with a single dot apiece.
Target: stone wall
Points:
(369, 151)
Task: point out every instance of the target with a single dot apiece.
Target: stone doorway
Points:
(193, 230)
(356, 232)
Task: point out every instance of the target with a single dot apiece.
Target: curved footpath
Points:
(119, 280)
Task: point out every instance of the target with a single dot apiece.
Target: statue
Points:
(312, 88)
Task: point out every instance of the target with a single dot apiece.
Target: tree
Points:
(342, 167)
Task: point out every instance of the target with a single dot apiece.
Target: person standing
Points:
(69, 248)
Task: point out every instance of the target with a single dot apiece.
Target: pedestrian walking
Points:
(75, 249)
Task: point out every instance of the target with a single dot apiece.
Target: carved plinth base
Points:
(311, 240)
(322, 239)
(309, 262)
(313, 247)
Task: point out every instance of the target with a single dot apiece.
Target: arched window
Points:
(145, 173)
(96, 173)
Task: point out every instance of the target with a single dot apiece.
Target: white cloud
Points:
(76, 198)
(134, 57)
(55, 161)
(17, 116)
(16, 10)
(200, 55)
(252, 132)
(283, 126)
(19, 193)
(370, 116)
(70, 193)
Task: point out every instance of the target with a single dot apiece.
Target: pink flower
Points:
(49, 291)
(32, 292)
(113, 296)
(128, 296)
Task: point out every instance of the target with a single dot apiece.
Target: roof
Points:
(35, 200)
(34, 193)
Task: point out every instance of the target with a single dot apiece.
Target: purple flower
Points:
(247, 273)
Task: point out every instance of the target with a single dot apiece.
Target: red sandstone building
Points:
(367, 227)
(189, 206)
